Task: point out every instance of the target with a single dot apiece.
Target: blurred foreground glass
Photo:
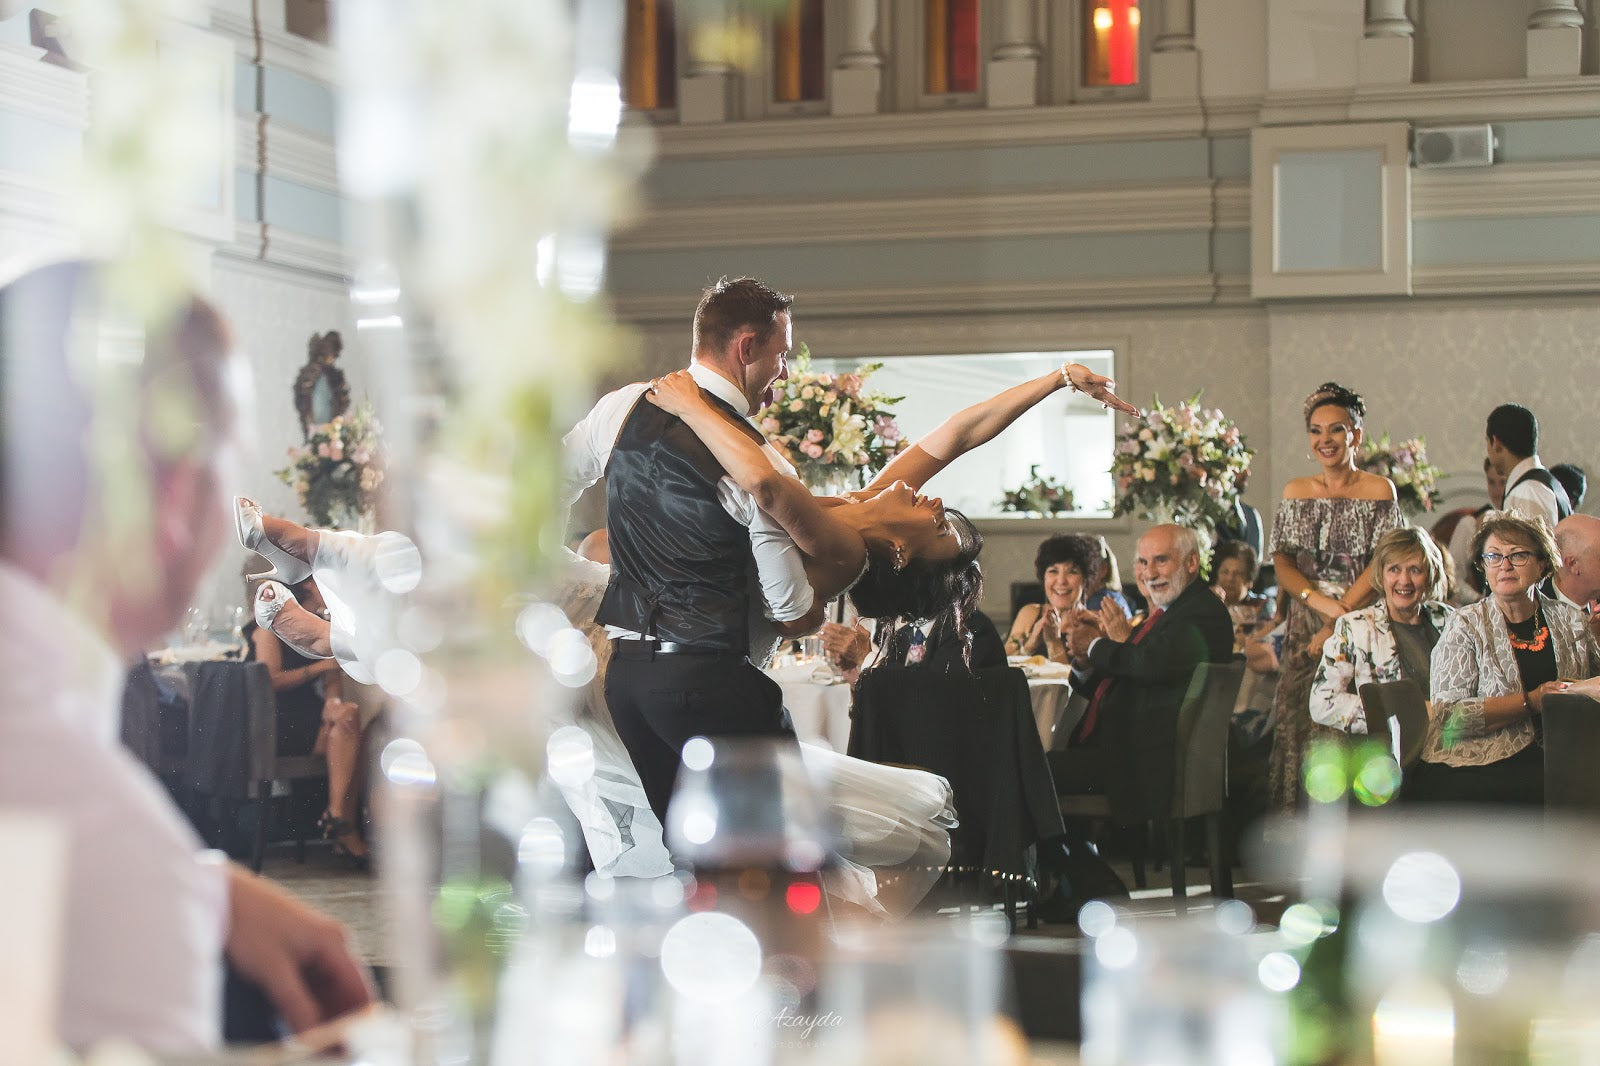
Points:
(926, 992)
(1194, 990)
(1462, 935)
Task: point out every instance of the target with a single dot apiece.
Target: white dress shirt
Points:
(146, 908)
(780, 567)
(1531, 499)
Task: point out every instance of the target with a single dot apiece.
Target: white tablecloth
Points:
(821, 712)
(1050, 686)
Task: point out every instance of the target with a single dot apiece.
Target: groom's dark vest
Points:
(679, 562)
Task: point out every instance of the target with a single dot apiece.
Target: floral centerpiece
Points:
(837, 432)
(338, 469)
(1182, 464)
(1039, 494)
(1416, 481)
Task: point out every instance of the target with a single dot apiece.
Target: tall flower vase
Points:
(829, 480)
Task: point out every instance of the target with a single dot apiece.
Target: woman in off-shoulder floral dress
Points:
(1322, 540)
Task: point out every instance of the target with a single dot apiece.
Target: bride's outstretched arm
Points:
(834, 550)
(983, 422)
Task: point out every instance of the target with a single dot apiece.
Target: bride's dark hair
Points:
(947, 592)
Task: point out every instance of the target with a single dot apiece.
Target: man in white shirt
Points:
(111, 510)
(1513, 450)
(684, 539)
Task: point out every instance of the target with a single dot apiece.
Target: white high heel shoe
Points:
(253, 535)
(270, 598)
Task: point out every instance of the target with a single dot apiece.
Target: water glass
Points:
(1195, 991)
(810, 649)
(925, 992)
(196, 627)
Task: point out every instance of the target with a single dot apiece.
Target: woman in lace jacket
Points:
(1494, 665)
(1393, 638)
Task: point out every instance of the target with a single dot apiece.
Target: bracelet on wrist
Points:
(1066, 378)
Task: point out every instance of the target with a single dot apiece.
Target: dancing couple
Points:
(718, 552)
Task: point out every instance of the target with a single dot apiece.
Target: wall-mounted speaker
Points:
(1453, 146)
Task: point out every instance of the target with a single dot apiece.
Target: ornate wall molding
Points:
(922, 130)
(279, 48)
(1503, 279)
(290, 152)
(964, 298)
(42, 90)
(262, 243)
(1508, 190)
(1153, 208)
(1477, 101)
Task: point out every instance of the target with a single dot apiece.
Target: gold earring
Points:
(899, 557)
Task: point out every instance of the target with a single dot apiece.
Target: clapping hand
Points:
(1096, 387)
(1079, 638)
(1114, 621)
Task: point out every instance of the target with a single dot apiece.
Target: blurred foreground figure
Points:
(110, 513)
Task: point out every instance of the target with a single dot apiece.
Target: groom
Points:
(684, 541)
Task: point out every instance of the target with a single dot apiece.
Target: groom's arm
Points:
(586, 449)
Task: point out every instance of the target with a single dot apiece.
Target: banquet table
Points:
(1050, 688)
(818, 702)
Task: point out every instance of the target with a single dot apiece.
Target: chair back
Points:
(1201, 760)
(1571, 752)
(1397, 709)
(978, 733)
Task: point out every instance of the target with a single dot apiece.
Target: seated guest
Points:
(315, 719)
(1234, 565)
(1496, 661)
(147, 913)
(1106, 584)
(1576, 582)
(1243, 526)
(1393, 638)
(1574, 480)
(1066, 565)
(1127, 739)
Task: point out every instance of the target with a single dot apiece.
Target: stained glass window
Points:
(951, 46)
(650, 56)
(799, 67)
(1110, 42)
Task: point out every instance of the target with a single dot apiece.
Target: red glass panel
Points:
(799, 68)
(952, 46)
(1110, 42)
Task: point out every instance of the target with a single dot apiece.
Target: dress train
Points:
(894, 821)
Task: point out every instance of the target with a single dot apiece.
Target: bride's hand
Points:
(676, 394)
(1096, 387)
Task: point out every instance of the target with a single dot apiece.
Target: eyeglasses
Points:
(1491, 560)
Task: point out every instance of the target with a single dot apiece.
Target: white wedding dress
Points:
(894, 821)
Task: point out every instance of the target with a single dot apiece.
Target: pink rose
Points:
(324, 450)
(813, 450)
(336, 451)
(850, 384)
(814, 436)
(769, 425)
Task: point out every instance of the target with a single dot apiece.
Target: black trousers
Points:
(660, 701)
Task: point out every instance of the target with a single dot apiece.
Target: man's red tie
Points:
(1092, 715)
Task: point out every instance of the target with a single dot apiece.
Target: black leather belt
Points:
(640, 648)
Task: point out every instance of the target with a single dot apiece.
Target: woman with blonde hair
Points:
(1392, 639)
(1495, 663)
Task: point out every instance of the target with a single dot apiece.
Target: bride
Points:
(905, 555)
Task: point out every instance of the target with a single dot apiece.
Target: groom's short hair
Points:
(727, 307)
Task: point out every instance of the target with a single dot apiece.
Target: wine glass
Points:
(238, 618)
(195, 627)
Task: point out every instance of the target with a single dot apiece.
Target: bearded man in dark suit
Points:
(1125, 744)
